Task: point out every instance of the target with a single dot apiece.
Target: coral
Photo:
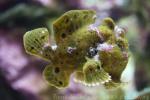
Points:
(94, 54)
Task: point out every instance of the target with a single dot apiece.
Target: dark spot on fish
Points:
(42, 37)
(75, 16)
(78, 41)
(66, 20)
(61, 63)
(69, 30)
(57, 70)
(98, 67)
(90, 69)
(63, 35)
(102, 65)
(85, 16)
(37, 40)
(46, 55)
(60, 83)
(77, 53)
(32, 48)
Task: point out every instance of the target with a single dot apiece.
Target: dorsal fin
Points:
(72, 21)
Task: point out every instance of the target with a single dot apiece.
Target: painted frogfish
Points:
(92, 53)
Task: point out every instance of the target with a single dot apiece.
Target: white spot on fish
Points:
(118, 30)
(125, 54)
(96, 57)
(71, 49)
(97, 84)
(94, 17)
(43, 32)
(46, 45)
(102, 82)
(92, 28)
(54, 47)
(105, 47)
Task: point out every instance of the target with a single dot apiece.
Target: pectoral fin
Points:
(36, 40)
(94, 73)
(56, 76)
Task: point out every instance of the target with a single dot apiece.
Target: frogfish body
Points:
(95, 54)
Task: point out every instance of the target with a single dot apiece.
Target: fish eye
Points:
(92, 52)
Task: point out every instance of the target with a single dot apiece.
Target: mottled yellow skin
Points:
(94, 54)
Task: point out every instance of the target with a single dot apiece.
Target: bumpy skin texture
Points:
(95, 54)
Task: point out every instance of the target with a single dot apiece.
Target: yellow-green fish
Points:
(95, 54)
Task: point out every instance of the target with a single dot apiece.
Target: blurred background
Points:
(21, 74)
